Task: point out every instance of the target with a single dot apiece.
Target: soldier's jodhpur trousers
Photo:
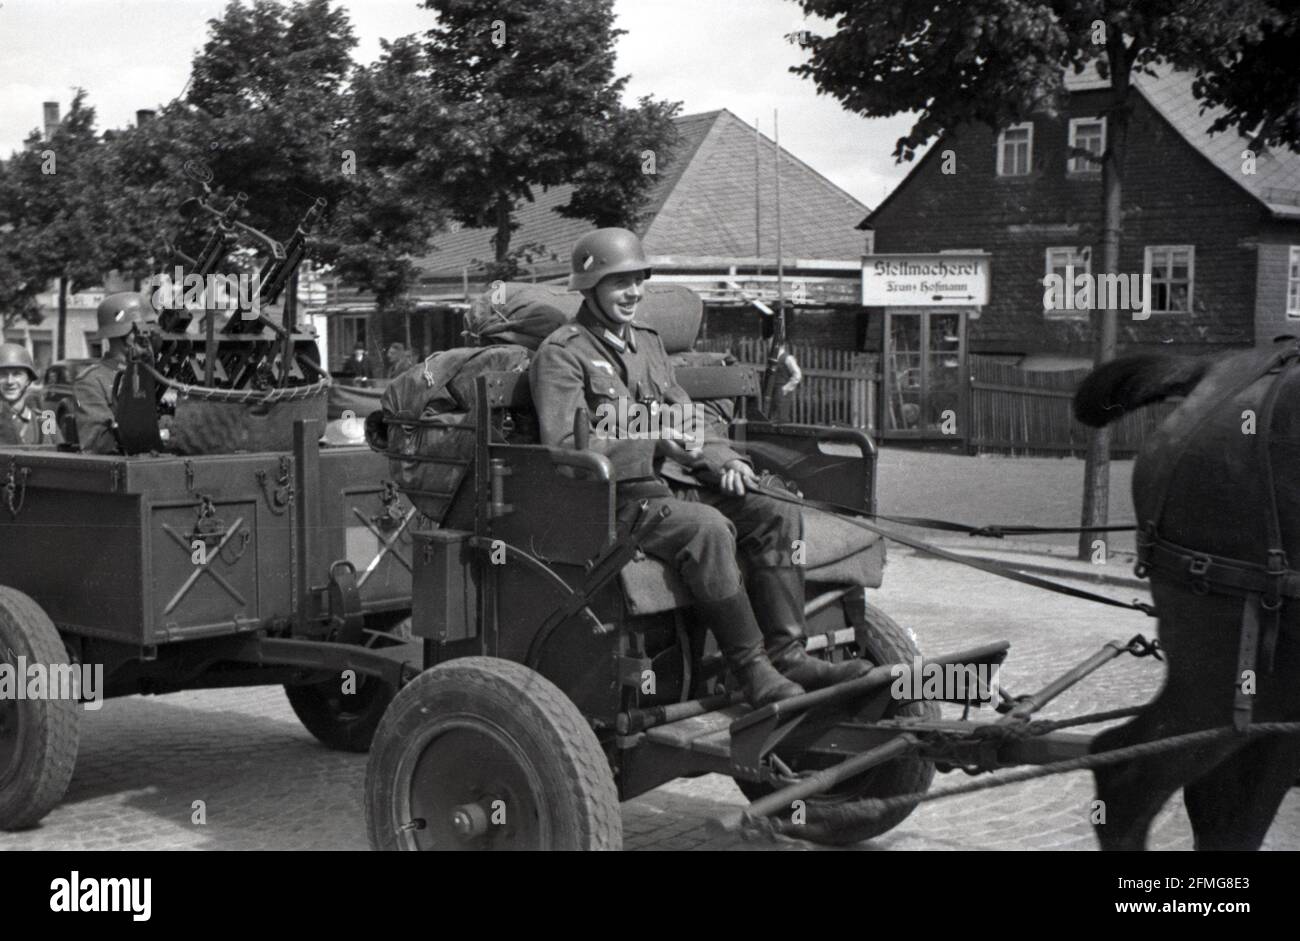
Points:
(708, 530)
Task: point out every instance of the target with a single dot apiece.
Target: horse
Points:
(1218, 515)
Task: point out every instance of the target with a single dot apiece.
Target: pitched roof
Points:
(1275, 182)
(701, 205)
(711, 210)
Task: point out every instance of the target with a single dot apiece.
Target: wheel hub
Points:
(469, 821)
(471, 788)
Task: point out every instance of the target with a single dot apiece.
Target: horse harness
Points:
(1264, 587)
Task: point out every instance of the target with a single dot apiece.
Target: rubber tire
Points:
(578, 790)
(343, 723)
(50, 728)
(880, 640)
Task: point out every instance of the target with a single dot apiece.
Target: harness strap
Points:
(1270, 602)
(1243, 702)
(1211, 572)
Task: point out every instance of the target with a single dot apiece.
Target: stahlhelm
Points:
(604, 252)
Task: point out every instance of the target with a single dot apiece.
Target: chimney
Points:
(142, 116)
(51, 118)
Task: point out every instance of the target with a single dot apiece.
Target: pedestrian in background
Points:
(399, 360)
(359, 366)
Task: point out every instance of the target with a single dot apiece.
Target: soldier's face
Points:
(618, 294)
(13, 383)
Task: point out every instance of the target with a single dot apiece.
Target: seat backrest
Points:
(511, 389)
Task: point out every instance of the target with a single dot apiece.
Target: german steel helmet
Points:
(13, 356)
(118, 313)
(606, 251)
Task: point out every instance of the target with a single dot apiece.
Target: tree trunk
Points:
(61, 334)
(1096, 465)
(501, 240)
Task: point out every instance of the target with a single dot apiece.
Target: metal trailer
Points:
(174, 573)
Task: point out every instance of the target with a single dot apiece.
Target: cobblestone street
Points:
(267, 784)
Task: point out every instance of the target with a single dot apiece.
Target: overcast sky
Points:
(708, 54)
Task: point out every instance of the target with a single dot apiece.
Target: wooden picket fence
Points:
(1011, 411)
(839, 387)
(1019, 412)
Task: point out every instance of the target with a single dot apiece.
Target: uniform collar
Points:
(596, 325)
(22, 411)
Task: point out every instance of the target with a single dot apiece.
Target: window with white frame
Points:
(1293, 284)
(1087, 134)
(1171, 272)
(1066, 262)
(1015, 150)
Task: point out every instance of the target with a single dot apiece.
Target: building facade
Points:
(1213, 227)
(1209, 260)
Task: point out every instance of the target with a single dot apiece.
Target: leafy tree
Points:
(1259, 91)
(56, 229)
(999, 61)
(389, 213)
(275, 109)
(531, 101)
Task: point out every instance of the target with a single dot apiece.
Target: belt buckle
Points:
(1199, 566)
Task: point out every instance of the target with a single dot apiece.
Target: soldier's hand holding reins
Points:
(673, 444)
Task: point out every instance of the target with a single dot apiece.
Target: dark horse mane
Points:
(1112, 390)
(1215, 481)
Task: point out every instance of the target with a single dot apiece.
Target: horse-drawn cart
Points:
(564, 671)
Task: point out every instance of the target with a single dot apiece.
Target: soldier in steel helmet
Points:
(20, 423)
(126, 320)
(605, 355)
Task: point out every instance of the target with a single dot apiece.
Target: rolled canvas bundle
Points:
(427, 419)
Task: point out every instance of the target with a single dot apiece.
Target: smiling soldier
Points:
(19, 422)
(605, 357)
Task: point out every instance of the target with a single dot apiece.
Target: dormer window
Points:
(1015, 150)
(1087, 134)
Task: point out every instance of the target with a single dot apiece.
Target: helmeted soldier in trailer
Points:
(605, 356)
(125, 319)
(19, 422)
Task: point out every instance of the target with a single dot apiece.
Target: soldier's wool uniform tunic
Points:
(23, 425)
(585, 365)
(93, 389)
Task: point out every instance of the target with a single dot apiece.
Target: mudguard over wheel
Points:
(38, 737)
(879, 639)
(480, 753)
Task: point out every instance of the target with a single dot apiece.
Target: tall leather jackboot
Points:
(778, 598)
(733, 624)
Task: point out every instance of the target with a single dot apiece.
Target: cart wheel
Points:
(38, 737)
(880, 639)
(485, 754)
(342, 721)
